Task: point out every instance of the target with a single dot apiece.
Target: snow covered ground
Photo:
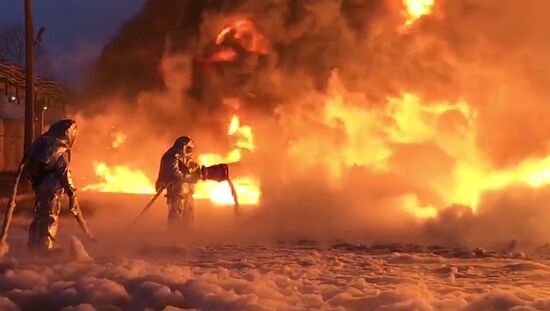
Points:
(293, 276)
(150, 271)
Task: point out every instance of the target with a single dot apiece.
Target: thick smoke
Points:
(491, 54)
(348, 172)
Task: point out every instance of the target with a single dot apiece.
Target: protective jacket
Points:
(47, 162)
(178, 173)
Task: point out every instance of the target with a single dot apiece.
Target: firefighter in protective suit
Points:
(47, 162)
(178, 174)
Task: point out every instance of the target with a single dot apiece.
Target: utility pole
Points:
(29, 84)
(39, 107)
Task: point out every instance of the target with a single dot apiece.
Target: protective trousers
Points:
(45, 223)
(180, 202)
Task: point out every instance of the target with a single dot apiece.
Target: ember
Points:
(118, 139)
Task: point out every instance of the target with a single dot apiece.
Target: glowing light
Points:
(244, 134)
(223, 34)
(411, 205)
(248, 188)
(120, 179)
(246, 34)
(417, 8)
(118, 139)
(440, 140)
(243, 32)
(220, 193)
(224, 55)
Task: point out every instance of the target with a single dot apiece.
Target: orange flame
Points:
(220, 193)
(247, 187)
(244, 134)
(246, 34)
(224, 55)
(223, 34)
(370, 137)
(416, 9)
(243, 32)
(120, 178)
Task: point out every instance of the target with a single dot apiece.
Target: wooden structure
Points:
(51, 102)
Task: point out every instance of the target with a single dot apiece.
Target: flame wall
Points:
(382, 114)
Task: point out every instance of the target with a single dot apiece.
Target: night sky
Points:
(76, 30)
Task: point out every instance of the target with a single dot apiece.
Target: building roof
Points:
(15, 76)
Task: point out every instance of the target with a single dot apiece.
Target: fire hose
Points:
(149, 204)
(218, 172)
(74, 207)
(4, 246)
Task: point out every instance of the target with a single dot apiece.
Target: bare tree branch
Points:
(12, 44)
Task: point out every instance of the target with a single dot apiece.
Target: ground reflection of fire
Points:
(122, 179)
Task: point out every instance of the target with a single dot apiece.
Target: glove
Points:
(194, 176)
(192, 165)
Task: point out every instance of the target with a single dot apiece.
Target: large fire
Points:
(122, 179)
(430, 149)
(453, 169)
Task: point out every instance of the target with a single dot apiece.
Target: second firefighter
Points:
(178, 174)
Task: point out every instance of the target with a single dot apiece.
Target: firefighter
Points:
(47, 162)
(178, 174)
